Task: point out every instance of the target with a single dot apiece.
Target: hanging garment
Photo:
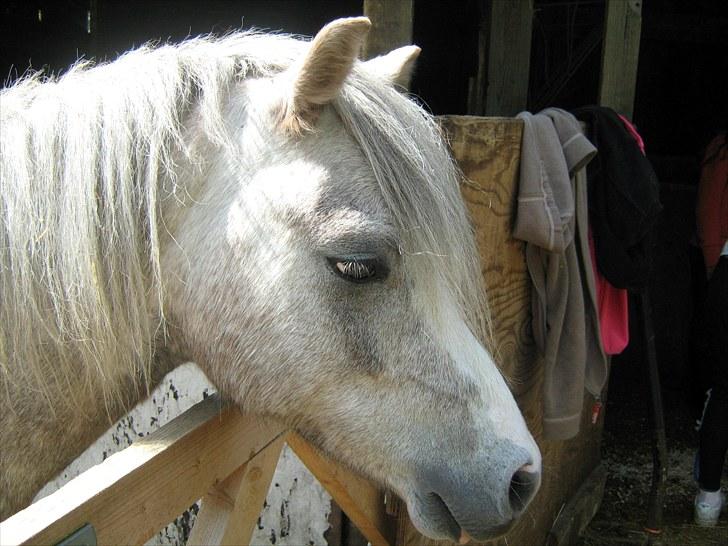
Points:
(612, 302)
(632, 130)
(712, 205)
(551, 217)
(624, 199)
(613, 310)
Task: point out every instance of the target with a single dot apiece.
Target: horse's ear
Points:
(318, 78)
(396, 66)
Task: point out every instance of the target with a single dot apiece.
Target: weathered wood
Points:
(230, 510)
(488, 152)
(391, 25)
(509, 56)
(579, 511)
(477, 84)
(361, 500)
(137, 491)
(620, 55)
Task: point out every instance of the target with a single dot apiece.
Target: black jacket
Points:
(624, 199)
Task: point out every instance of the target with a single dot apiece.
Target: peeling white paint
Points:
(296, 509)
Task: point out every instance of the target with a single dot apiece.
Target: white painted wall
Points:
(296, 509)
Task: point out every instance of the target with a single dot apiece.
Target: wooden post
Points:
(391, 25)
(230, 509)
(620, 54)
(477, 84)
(509, 55)
(361, 501)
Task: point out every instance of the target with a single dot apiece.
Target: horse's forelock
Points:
(419, 182)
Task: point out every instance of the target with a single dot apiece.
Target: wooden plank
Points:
(509, 56)
(361, 500)
(135, 492)
(620, 55)
(488, 152)
(579, 511)
(230, 510)
(391, 25)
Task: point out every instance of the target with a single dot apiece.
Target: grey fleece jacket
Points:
(551, 216)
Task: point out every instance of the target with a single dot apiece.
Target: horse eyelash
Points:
(354, 269)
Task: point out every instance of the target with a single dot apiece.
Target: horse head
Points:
(324, 273)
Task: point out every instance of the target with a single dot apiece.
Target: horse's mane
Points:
(83, 158)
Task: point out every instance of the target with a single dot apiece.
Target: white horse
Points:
(277, 212)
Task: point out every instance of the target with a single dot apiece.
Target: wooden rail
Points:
(211, 452)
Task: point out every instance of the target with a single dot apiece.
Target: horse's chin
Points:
(431, 517)
(491, 533)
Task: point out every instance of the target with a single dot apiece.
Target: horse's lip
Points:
(446, 509)
(491, 533)
(465, 535)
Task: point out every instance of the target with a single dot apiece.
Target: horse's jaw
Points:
(478, 478)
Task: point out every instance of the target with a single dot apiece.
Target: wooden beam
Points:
(360, 500)
(230, 510)
(391, 25)
(579, 510)
(509, 56)
(477, 84)
(620, 55)
(135, 492)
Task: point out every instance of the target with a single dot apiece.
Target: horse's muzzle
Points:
(483, 500)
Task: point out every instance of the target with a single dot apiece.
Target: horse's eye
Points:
(358, 269)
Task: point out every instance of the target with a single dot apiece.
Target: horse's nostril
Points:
(524, 485)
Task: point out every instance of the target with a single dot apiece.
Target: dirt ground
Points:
(626, 451)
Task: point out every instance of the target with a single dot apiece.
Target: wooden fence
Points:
(211, 452)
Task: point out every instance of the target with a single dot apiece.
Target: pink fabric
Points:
(612, 303)
(612, 306)
(632, 131)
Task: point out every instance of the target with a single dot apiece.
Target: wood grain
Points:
(230, 510)
(488, 152)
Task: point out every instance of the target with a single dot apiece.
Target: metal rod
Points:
(653, 527)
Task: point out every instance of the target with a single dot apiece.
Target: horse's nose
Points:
(483, 498)
(523, 487)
